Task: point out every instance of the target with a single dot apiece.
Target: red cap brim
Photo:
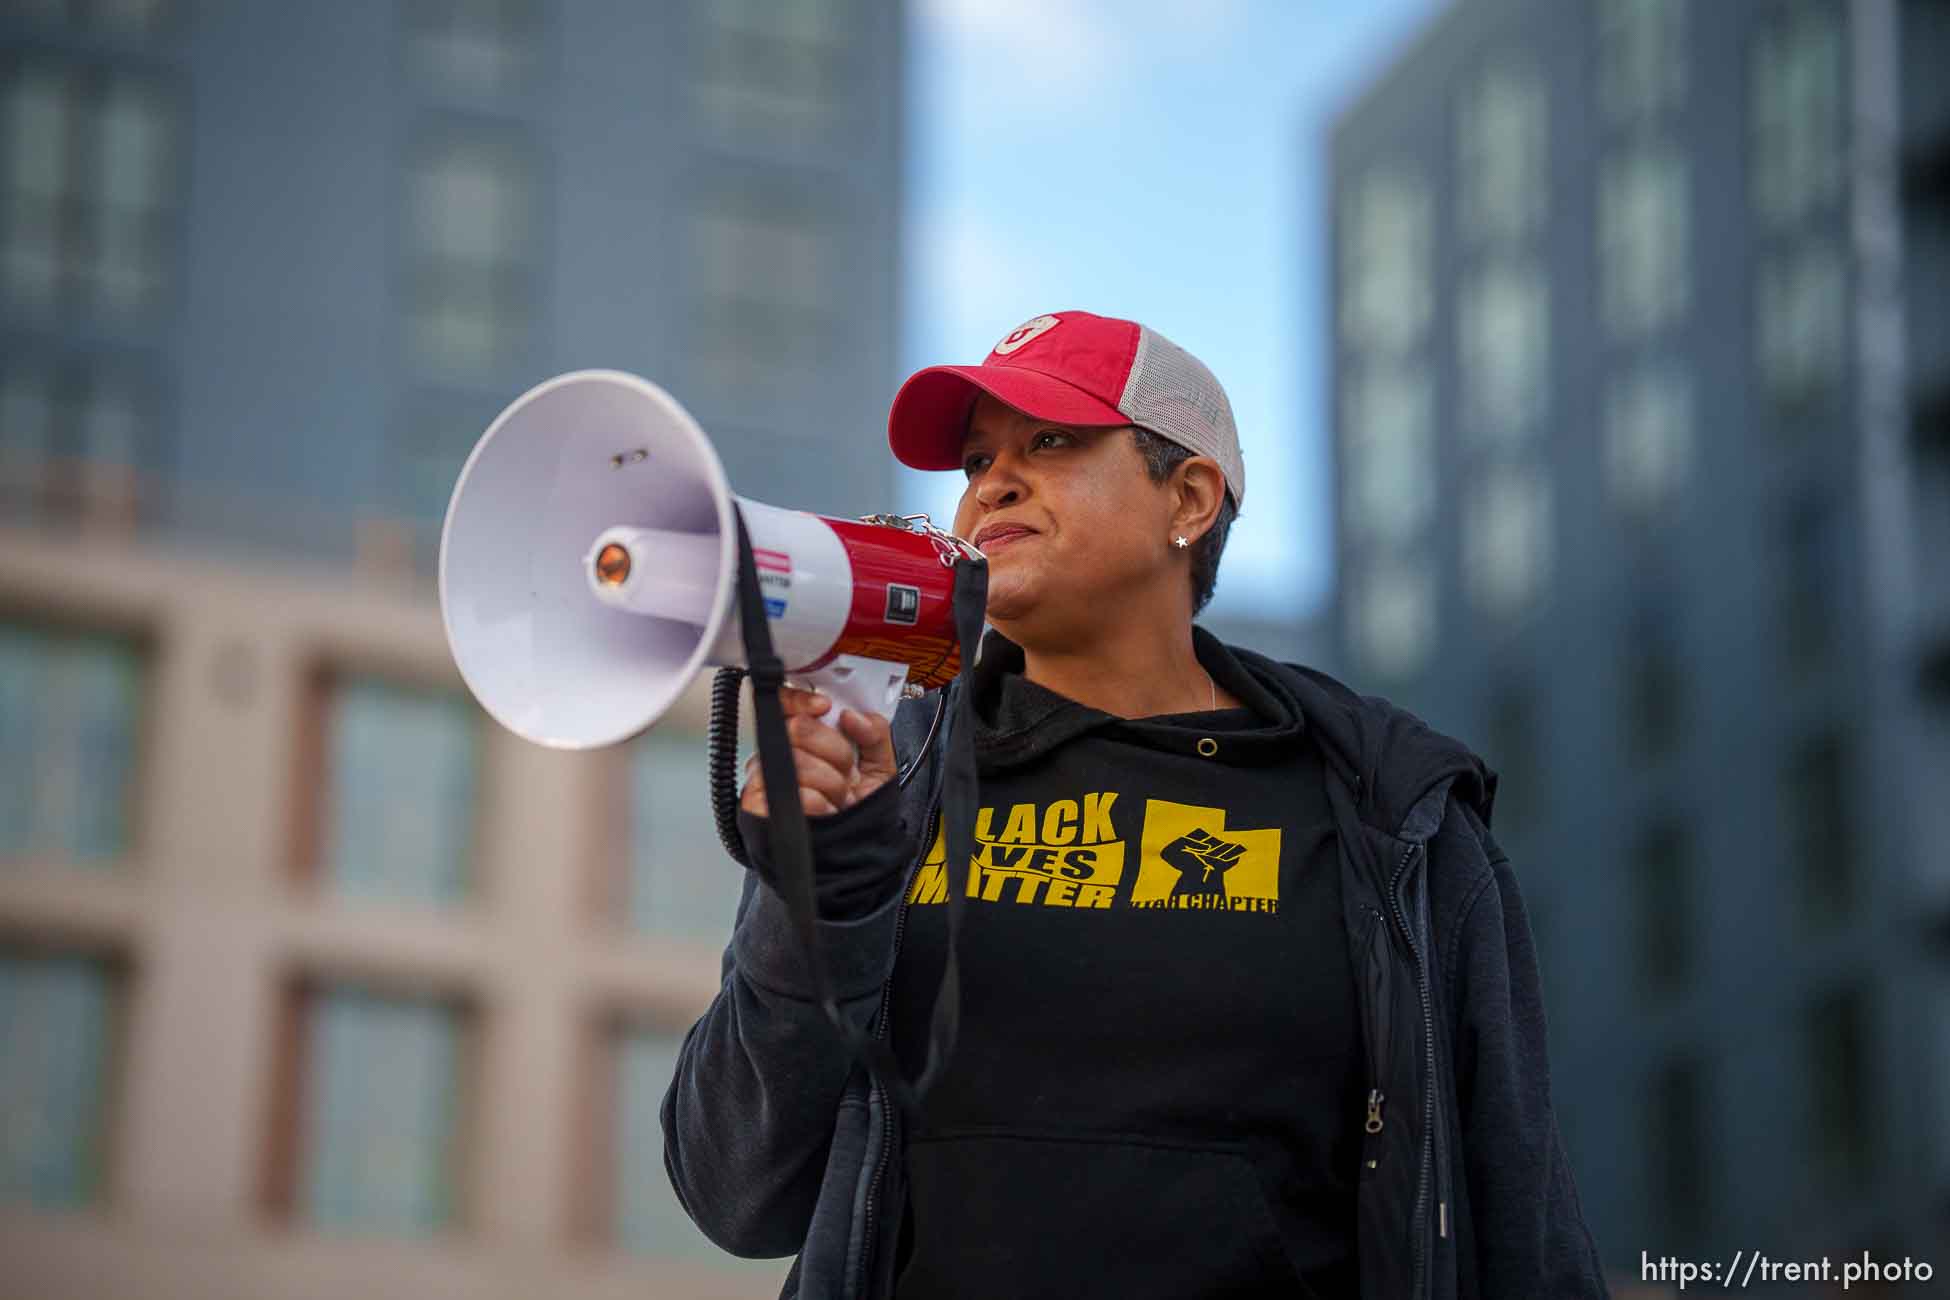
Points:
(929, 417)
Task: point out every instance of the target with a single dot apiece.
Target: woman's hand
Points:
(838, 766)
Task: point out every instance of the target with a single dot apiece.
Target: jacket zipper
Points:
(1378, 1027)
(1428, 1047)
(880, 1031)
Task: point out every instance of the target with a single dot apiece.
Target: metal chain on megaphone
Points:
(946, 544)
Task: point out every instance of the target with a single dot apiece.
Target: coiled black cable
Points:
(721, 756)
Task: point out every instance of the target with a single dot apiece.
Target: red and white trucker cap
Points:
(1071, 367)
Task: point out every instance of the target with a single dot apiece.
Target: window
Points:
(1385, 258)
(764, 262)
(89, 189)
(627, 1198)
(1800, 329)
(1642, 234)
(774, 70)
(1390, 449)
(1937, 1017)
(380, 1081)
(1391, 618)
(1648, 435)
(30, 436)
(1837, 1060)
(435, 436)
(1547, 937)
(74, 411)
(1641, 57)
(1815, 810)
(402, 774)
(1512, 746)
(27, 415)
(1506, 543)
(1504, 340)
(472, 231)
(1796, 120)
(648, 1217)
(40, 110)
(1677, 1140)
(1807, 612)
(70, 720)
(682, 883)
(76, 436)
(1503, 154)
(1662, 877)
(134, 162)
(1655, 696)
(474, 47)
(57, 1020)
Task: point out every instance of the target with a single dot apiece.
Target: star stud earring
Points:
(1180, 542)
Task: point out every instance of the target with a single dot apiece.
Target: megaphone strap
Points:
(959, 798)
(792, 842)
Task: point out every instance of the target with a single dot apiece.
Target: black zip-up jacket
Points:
(777, 1144)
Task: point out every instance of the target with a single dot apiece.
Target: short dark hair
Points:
(1161, 457)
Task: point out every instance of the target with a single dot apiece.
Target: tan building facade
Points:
(272, 1025)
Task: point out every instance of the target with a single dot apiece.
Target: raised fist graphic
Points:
(1202, 859)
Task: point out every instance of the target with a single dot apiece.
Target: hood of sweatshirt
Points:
(1017, 721)
(1388, 755)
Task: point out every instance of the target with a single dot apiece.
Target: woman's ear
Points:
(1201, 488)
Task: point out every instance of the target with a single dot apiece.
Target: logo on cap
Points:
(1026, 331)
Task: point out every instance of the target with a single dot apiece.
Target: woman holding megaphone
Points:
(1247, 1000)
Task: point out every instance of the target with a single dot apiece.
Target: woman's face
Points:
(1098, 526)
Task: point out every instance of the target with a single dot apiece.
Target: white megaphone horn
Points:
(589, 572)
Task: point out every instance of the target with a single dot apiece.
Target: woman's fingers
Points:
(837, 765)
(818, 738)
(829, 769)
(815, 775)
(875, 739)
(794, 701)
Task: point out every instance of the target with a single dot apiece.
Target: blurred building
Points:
(314, 982)
(1642, 384)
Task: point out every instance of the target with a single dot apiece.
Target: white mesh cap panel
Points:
(1172, 393)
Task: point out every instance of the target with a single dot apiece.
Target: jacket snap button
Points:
(1207, 746)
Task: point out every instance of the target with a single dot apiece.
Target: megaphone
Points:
(589, 569)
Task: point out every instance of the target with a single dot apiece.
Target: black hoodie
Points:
(777, 1143)
(1159, 1039)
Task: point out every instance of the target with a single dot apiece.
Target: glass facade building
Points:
(1638, 397)
(311, 976)
(265, 275)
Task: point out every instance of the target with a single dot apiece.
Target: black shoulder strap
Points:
(792, 843)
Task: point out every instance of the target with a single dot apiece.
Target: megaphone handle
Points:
(857, 683)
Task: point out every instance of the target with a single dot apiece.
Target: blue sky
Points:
(1161, 160)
